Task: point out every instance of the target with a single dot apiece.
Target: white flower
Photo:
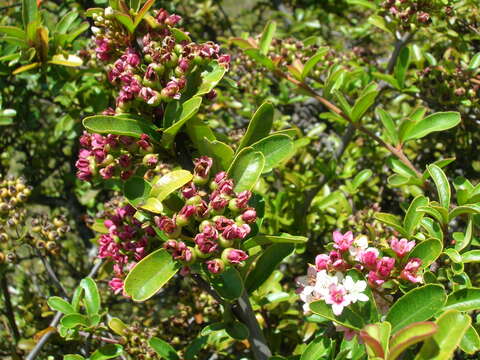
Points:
(323, 282)
(355, 289)
(358, 246)
(337, 297)
(108, 11)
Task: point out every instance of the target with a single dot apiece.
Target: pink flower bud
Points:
(369, 258)
(221, 223)
(189, 190)
(322, 262)
(385, 266)
(249, 216)
(202, 166)
(205, 245)
(235, 256)
(215, 266)
(401, 247)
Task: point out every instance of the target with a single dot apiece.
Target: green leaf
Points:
(262, 239)
(260, 58)
(467, 299)
(150, 274)
(259, 126)
(375, 337)
(237, 330)
(472, 256)
(65, 22)
(117, 326)
(163, 349)
(25, 67)
(428, 251)
(379, 22)
(389, 125)
(464, 209)
(347, 318)
(364, 3)
(246, 168)
(221, 153)
(475, 62)
(436, 122)
(70, 61)
(126, 21)
(143, 11)
(169, 183)
(266, 264)
(109, 351)
(73, 357)
(362, 105)
(392, 221)
(400, 168)
(136, 190)
(276, 149)
(267, 37)
(419, 304)
(441, 182)
(184, 112)
(401, 68)
(29, 12)
(452, 325)
(409, 335)
(413, 217)
(210, 78)
(71, 321)
(58, 304)
(92, 297)
(470, 342)
(13, 31)
(229, 284)
(117, 125)
(317, 349)
(310, 64)
(361, 177)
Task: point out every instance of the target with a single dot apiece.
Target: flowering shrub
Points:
(222, 151)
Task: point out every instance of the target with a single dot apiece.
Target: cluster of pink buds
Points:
(413, 11)
(326, 279)
(124, 244)
(151, 67)
(212, 223)
(114, 156)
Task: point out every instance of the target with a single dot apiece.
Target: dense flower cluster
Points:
(415, 12)
(114, 156)
(326, 280)
(212, 223)
(125, 242)
(154, 69)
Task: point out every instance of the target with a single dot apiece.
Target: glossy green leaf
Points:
(153, 205)
(389, 125)
(375, 336)
(221, 153)
(71, 321)
(237, 330)
(266, 264)
(126, 21)
(310, 64)
(441, 182)
(58, 304)
(182, 114)
(401, 68)
(419, 304)
(267, 37)
(169, 183)
(472, 256)
(163, 349)
(413, 217)
(29, 12)
(347, 318)
(260, 58)
(210, 78)
(316, 349)
(467, 299)
(109, 351)
(117, 125)
(452, 325)
(436, 122)
(464, 209)
(400, 168)
(262, 239)
(150, 274)
(91, 298)
(391, 220)
(470, 342)
(136, 190)
(13, 31)
(362, 105)
(229, 284)
(409, 335)
(275, 149)
(259, 126)
(428, 251)
(475, 62)
(361, 177)
(65, 22)
(117, 326)
(246, 168)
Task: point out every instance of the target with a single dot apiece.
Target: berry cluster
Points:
(115, 156)
(212, 223)
(326, 281)
(151, 68)
(46, 234)
(125, 242)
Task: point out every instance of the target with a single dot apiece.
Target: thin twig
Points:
(51, 274)
(9, 308)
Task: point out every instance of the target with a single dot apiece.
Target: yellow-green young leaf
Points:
(117, 326)
(361, 177)
(266, 264)
(419, 304)
(267, 37)
(452, 325)
(150, 274)
(409, 335)
(73, 357)
(126, 21)
(472, 256)
(91, 298)
(389, 125)
(364, 3)
(65, 22)
(374, 348)
(136, 190)
(153, 205)
(13, 31)
(379, 22)
(120, 125)
(441, 182)
(229, 284)
(428, 251)
(376, 337)
(475, 62)
(470, 342)
(318, 347)
(259, 126)
(71, 321)
(143, 11)
(436, 122)
(169, 183)
(210, 78)
(29, 12)
(246, 168)
(109, 351)
(275, 149)
(414, 217)
(464, 209)
(58, 304)
(71, 60)
(347, 318)
(162, 348)
(467, 299)
(26, 68)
